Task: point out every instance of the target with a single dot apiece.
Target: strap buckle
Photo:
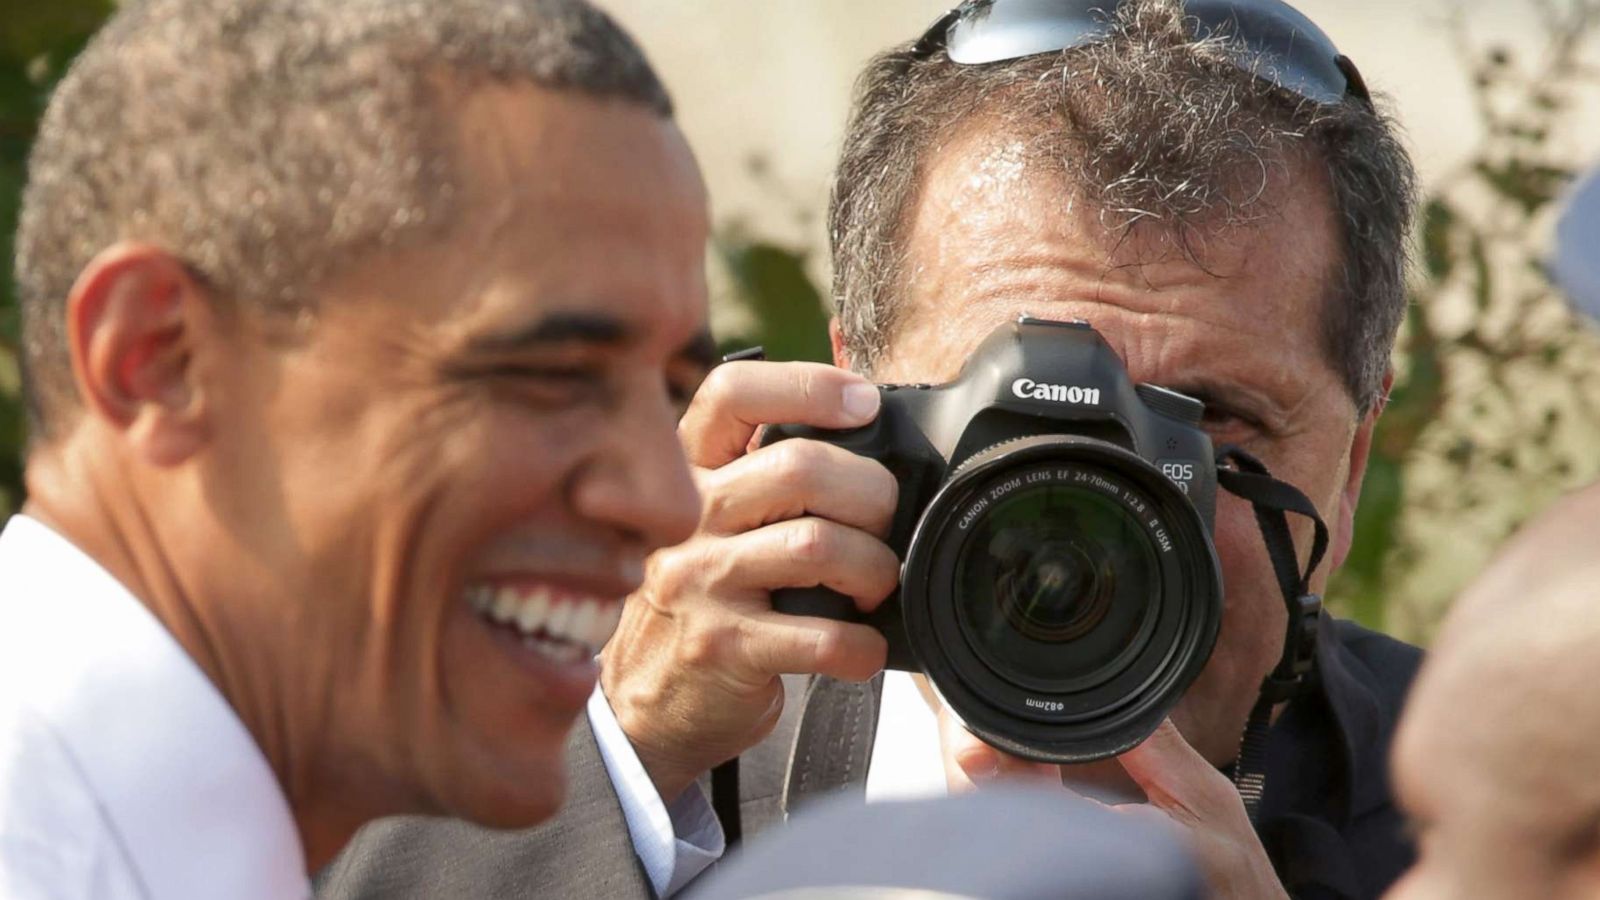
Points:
(1297, 666)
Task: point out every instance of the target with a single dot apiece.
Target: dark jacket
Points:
(1328, 819)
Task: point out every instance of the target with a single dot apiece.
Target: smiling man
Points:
(356, 334)
(1209, 185)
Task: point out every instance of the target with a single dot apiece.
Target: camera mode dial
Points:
(1172, 404)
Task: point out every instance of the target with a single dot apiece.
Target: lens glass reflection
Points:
(1054, 584)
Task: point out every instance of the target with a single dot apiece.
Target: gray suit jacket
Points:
(1328, 820)
(586, 850)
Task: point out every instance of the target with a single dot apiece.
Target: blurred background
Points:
(1497, 406)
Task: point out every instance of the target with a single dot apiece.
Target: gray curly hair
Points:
(1151, 127)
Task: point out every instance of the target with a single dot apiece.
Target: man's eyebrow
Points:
(558, 328)
(1213, 393)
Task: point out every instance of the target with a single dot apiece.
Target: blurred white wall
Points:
(769, 79)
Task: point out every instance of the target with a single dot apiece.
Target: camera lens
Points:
(1054, 585)
(1061, 593)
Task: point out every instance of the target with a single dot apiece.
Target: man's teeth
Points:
(569, 626)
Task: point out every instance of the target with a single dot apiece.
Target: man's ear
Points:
(1344, 523)
(131, 330)
(841, 357)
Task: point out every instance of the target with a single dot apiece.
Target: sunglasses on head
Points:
(1285, 48)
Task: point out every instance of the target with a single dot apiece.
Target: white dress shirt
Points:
(677, 843)
(674, 843)
(123, 772)
(905, 764)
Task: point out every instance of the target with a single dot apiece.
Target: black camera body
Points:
(1059, 585)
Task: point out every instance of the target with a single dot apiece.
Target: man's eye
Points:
(1221, 419)
(683, 382)
(553, 385)
(680, 395)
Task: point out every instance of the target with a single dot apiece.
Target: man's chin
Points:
(516, 818)
(523, 804)
(502, 790)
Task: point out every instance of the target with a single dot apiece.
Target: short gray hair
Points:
(266, 142)
(1152, 128)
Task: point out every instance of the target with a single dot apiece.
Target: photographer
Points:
(1234, 228)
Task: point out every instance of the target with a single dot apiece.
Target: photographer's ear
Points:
(131, 327)
(1342, 524)
(841, 357)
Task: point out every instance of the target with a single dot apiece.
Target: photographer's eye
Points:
(1229, 417)
(1228, 424)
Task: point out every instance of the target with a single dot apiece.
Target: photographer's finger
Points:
(810, 552)
(739, 397)
(970, 763)
(1174, 775)
(801, 645)
(797, 478)
(1152, 814)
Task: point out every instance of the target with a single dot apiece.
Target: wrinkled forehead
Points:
(1007, 169)
(995, 223)
(560, 203)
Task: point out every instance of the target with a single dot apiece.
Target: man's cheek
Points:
(1253, 610)
(1240, 550)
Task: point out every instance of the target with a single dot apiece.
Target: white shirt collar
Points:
(183, 784)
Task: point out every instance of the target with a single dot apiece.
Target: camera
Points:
(1059, 585)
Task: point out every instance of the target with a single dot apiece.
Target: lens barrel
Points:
(1061, 594)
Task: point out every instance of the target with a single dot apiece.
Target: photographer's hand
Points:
(692, 671)
(1183, 790)
(1205, 804)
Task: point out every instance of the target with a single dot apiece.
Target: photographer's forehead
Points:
(992, 235)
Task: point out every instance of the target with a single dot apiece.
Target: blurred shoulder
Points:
(1550, 558)
(53, 840)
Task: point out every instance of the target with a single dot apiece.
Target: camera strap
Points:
(1246, 477)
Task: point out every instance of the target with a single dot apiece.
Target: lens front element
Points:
(1055, 593)
(1055, 585)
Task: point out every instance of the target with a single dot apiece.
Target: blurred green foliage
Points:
(785, 313)
(37, 41)
(1496, 406)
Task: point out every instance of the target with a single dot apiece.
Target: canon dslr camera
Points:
(1059, 585)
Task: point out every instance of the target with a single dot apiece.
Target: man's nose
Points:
(640, 482)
